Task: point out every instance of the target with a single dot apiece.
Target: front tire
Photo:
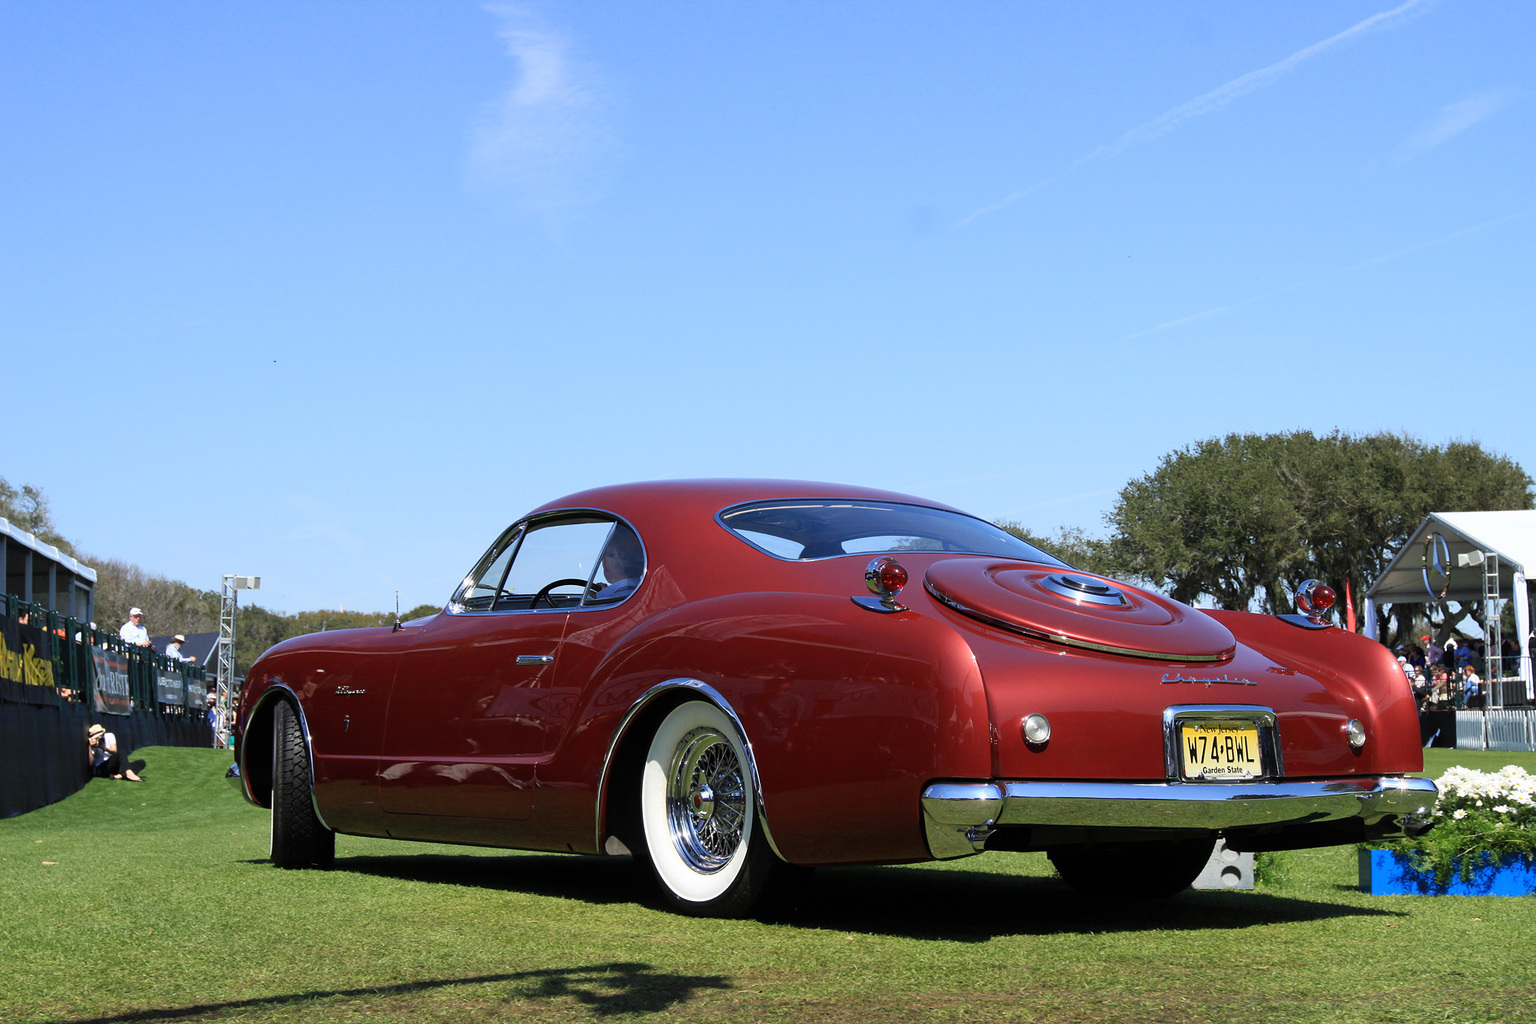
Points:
(299, 838)
(698, 813)
(1150, 870)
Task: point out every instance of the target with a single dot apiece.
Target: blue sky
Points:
(330, 292)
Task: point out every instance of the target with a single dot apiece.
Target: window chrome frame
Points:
(522, 527)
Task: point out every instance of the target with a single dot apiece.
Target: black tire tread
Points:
(299, 838)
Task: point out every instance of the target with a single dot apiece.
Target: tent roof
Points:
(1510, 535)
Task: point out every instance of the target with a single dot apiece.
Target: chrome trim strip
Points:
(1265, 718)
(535, 659)
(645, 699)
(1057, 638)
(951, 810)
(309, 744)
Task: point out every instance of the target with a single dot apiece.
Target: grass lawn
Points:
(154, 902)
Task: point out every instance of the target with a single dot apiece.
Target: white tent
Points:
(1451, 557)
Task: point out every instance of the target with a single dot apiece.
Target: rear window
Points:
(806, 528)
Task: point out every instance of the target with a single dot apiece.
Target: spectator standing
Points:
(1433, 652)
(173, 649)
(133, 632)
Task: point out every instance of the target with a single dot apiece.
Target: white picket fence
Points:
(1496, 729)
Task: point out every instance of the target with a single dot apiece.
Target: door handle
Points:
(535, 659)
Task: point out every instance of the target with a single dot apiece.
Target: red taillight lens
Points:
(1314, 598)
(885, 576)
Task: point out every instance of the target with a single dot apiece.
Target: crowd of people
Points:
(1445, 677)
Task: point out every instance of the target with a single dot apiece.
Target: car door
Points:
(468, 716)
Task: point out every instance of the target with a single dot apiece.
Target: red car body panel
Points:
(436, 731)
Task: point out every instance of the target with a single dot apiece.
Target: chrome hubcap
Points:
(706, 800)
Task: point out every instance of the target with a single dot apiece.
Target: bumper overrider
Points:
(959, 817)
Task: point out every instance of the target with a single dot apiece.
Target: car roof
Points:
(694, 498)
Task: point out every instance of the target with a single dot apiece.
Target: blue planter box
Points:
(1389, 873)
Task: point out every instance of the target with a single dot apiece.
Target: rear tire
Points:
(698, 813)
(299, 838)
(1151, 870)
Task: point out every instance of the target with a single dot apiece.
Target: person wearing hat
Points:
(106, 762)
(173, 649)
(133, 632)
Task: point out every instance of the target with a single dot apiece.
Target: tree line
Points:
(170, 606)
(1237, 521)
(1240, 520)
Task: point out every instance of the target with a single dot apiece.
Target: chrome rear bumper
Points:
(958, 817)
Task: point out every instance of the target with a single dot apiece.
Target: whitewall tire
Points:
(698, 811)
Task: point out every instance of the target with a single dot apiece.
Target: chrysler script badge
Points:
(1208, 680)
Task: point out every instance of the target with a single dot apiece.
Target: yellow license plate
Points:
(1220, 750)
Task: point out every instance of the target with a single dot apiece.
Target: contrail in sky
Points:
(1373, 261)
(1212, 101)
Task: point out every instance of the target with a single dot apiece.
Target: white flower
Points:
(1458, 814)
(1501, 809)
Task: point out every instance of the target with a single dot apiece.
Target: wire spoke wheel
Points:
(699, 815)
(706, 800)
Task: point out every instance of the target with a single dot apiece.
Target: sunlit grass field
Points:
(155, 902)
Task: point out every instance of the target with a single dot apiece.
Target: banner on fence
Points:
(168, 687)
(113, 696)
(197, 692)
(26, 664)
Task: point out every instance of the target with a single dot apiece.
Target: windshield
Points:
(827, 527)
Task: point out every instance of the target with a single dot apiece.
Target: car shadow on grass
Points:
(952, 904)
(976, 906)
(610, 989)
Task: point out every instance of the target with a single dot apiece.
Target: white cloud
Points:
(1218, 98)
(546, 145)
(1450, 122)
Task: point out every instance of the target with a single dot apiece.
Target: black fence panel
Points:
(43, 748)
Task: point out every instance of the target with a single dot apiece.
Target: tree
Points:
(28, 509)
(170, 606)
(1244, 518)
(1070, 544)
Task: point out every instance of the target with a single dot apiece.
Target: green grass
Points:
(154, 902)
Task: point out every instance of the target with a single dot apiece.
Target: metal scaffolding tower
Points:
(228, 605)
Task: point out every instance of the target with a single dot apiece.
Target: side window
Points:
(620, 569)
(580, 559)
(554, 564)
(480, 588)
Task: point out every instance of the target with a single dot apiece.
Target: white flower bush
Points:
(1511, 791)
(1480, 817)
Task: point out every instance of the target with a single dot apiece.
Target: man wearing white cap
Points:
(133, 631)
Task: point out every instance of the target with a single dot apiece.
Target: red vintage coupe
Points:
(735, 680)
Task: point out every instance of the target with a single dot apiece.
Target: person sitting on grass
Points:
(106, 762)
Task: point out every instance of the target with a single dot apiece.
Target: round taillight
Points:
(885, 577)
(1355, 732)
(1037, 730)
(1314, 598)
